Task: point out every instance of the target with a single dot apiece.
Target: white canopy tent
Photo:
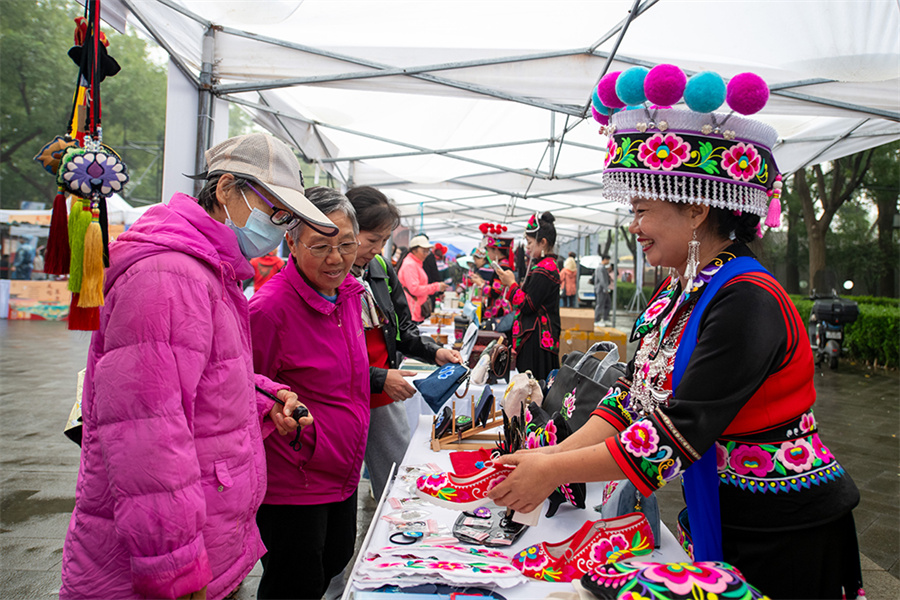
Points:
(466, 112)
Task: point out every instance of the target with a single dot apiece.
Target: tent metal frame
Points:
(575, 114)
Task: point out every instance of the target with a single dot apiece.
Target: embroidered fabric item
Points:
(594, 544)
(439, 386)
(669, 581)
(436, 564)
(462, 493)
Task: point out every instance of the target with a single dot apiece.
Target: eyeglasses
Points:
(280, 217)
(323, 250)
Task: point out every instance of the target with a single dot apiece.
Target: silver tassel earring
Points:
(693, 262)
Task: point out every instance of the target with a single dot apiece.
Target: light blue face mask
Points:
(259, 235)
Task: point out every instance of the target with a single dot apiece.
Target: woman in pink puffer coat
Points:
(173, 466)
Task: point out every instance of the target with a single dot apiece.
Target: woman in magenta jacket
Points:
(172, 464)
(307, 333)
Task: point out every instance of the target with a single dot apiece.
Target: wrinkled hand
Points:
(281, 415)
(398, 388)
(529, 484)
(506, 276)
(198, 595)
(446, 355)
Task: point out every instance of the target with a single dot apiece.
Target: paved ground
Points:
(857, 411)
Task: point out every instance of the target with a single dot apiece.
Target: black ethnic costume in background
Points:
(784, 499)
(536, 330)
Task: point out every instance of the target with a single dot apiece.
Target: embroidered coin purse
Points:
(437, 388)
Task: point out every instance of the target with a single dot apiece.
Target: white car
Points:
(586, 266)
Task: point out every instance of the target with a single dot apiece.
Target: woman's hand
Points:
(476, 279)
(396, 387)
(446, 355)
(529, 484)
(281, 415)
(505, 276)
(199, 594)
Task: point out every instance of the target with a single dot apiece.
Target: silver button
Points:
(221, 488)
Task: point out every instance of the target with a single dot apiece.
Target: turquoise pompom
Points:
(705, 92)
(595, 102)
(630, 86)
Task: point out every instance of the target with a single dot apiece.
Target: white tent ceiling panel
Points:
(433, 100)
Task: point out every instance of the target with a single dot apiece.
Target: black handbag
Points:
(583, 381)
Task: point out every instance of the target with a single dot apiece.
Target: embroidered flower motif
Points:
(721, 458)
(669, 470)
(657, 307)
(547, 264)
(797, 456)
(681, 578)
(742, 161)
(822, 452)
(497, 285)
(611, 148)
(516, 327)
(569, 405)
(664, 151)
(641, 438)
(518, 297)
(603, 551)
(632, 596)
(433, 482)
(807, 422)
(546, 340)
(751, 459)
(531, 559)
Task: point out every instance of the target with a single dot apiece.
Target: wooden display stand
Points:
(478, 436)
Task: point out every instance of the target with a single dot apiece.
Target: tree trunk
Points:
(887, 211)
(792, 255)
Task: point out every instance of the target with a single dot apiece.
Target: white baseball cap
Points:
(419, 241)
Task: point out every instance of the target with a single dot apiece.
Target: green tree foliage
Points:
(36, 99)
(882, 185)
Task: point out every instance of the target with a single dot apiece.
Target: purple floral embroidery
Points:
(823, 453)
(670, 469)
(602, 551)
(531, 558)
(664, 151)
(721, 458)
(807, 422)
(742, 161)
(641, 438)
(751, 459)
(681, 578)
(797, 456)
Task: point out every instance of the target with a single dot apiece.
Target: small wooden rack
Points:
(478, 436)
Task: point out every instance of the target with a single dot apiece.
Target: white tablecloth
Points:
(560, 527)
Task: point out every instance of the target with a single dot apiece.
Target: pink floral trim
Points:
(664, 151)
(741, 161)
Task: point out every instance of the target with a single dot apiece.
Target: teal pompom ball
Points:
(630, 86)
(705, 92)
(595, 102)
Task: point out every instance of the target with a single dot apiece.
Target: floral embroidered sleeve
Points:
(719, 380)
(616, 407)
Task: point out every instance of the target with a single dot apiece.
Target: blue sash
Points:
(701, 480)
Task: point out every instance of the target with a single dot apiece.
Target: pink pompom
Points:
(606, 89)
(747, 93)
(600, 118)
(664, 85)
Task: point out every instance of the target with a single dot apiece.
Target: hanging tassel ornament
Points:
(83, 319)
(57, 256)
(773, 219)
(693, 262)
(92, 278)
(77, 230)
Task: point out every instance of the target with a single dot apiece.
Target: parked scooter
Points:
(826, 326)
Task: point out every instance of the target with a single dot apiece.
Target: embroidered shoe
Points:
(595, 544)
(462, 493)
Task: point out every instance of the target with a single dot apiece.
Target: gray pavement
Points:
(857, 410)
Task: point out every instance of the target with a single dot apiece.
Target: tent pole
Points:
(204, 110)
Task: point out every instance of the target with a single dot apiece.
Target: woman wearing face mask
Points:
(307, 333)
(172, 462)
(389, 329)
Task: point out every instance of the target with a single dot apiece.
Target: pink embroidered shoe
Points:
(595, 544)
(457, 492)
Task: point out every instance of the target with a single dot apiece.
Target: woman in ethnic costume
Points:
(536, 329)
(721, 387)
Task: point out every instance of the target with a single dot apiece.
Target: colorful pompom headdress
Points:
(494, 238)
(696, 155)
